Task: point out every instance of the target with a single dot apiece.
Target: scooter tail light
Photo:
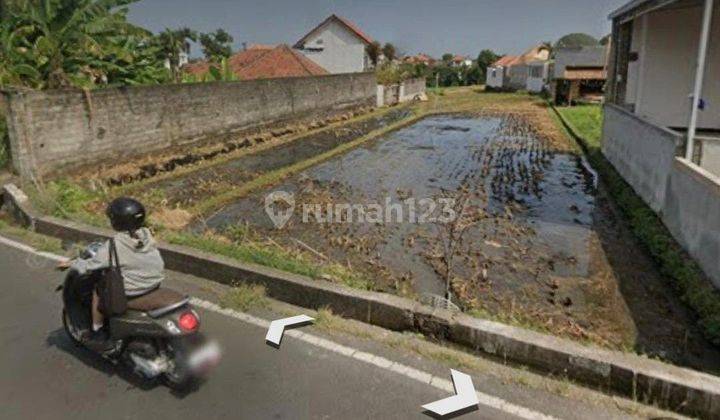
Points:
(188, 321)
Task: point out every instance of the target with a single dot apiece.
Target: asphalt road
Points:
(44, 376)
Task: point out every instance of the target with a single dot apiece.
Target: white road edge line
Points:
(377, 361)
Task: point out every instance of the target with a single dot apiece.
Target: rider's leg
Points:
(97, 316)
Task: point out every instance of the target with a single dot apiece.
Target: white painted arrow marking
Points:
(464, 398)
(277, 327)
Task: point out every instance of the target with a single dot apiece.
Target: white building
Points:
(337, 45)
(538, 74)
(495, 77)
(511, 72)
(661, 127)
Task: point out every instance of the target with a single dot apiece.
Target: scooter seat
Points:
(158, 299)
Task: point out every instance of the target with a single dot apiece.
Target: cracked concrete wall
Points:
(51, 131)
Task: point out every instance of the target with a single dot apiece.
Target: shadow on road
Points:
(59, 340)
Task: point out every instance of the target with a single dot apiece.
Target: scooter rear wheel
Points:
(70, 329)
(180, 380)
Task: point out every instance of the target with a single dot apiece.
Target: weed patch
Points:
(245, 297)
(242, 246)
(37, 241)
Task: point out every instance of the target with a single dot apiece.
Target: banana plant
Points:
(82, 43)
(221, 72)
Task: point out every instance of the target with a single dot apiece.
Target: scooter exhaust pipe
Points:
(149, 368)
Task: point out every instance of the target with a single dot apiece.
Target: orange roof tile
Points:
(265, 63)
(506, 61)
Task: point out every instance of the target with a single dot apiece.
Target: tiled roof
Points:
(351, 26)
(265, 63)
(506, 61)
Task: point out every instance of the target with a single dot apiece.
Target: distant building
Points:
(460, 61)
(183, 59)
(579, 73)
(495, 77)
(538, 76)
(336, 45)
(511, 72)
(265, 62)
(420, 59)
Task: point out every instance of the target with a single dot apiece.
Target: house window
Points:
(319, 41)
(494, 73)
(536, 72)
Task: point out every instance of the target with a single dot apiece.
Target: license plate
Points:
(205, 356)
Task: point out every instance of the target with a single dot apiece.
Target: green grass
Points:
(37, 241)
(255, 252)
(245, 297)
(249, 252)
(586, 120)
(685, 275)
(68, 200)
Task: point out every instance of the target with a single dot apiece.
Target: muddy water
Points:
(435, 158)
(543, 246)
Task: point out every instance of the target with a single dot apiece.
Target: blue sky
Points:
(431, 26)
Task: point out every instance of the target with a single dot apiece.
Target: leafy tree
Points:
(83, 43)
(474, 75)
(216, 45)
(373, 52)
(605, 40)
(447, 58)
(484, 60)
(389, 51)
(171, 44)
(576, 40)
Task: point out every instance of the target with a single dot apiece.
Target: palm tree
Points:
(172, 43)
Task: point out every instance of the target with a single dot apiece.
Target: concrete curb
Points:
(648, 381)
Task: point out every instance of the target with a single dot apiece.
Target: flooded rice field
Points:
(198, 186)
(533, 242)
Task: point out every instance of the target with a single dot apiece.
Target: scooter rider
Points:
(141, 265)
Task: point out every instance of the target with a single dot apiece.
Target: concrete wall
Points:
(642, 152)
(661, 80)
(336, 49)
(408, 90)
(412, 89)
(686, 196)
(692, 214)
(495, 77)
(710, 156)
(54, 130)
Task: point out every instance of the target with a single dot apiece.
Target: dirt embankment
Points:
(114, 173)
(186, 190)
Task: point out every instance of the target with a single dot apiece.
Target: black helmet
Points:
(126, 214)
